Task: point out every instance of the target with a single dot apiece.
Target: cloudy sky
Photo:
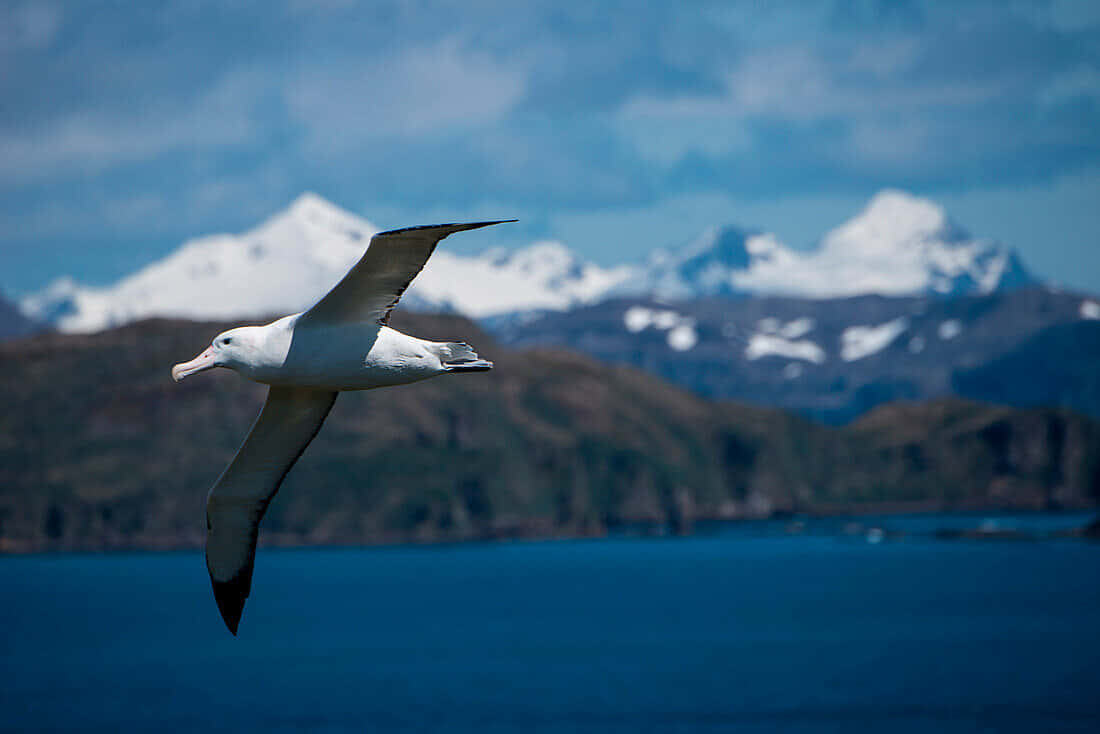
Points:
(614, 127)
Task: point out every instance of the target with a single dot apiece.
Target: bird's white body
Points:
(341, 343)
(338, 356)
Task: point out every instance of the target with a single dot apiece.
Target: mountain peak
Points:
(727, 245)
(317, 213)
(898, 244)
(706, 266)
(893, 220)
(548, 254)
(895, 204)
(283, 265)
(308, 205)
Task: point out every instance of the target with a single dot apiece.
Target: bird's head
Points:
(234, 349)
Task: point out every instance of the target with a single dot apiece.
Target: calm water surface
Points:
(745, 629)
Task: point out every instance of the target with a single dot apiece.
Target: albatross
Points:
(306, 359)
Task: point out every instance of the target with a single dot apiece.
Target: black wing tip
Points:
(230, 596)
(462, 225)
(477, 365)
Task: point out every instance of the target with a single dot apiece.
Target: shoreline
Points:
(538, 532)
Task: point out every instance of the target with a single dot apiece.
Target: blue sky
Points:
(616, 127)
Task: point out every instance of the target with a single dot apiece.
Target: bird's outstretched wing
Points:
(289, 420)
(372, 288)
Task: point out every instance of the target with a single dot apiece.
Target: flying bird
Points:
(341, 343)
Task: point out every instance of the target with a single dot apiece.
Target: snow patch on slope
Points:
(797, 328)
(771, 345)
(682, 337)
(681, 329)
(639, 318)
(790, 330)
(792, 371)
(950, 329)
(858, 342)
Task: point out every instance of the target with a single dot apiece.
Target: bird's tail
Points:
(460, 357)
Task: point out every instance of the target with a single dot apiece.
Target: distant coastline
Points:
(100, 450)
(984, 524)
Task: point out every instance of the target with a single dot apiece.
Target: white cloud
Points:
(88, 140)
(422, 90)
(143, 214)
(1081, 83)
(787, 82)
(1060, 15)
(779, 101)
(866, 86)
(315, 6)
(667, 139)
(136, 212)
(800, 84)
(884, 59)
(898, 144)
(29, 26)
(243, 199)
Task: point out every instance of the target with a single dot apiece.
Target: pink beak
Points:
(202, 362)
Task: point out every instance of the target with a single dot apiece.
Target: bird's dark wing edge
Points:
(372, 288)
(288, 422)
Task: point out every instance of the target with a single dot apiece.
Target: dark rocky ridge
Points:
(920, 364)
(13, 323)
(99, 449)
(1059, 366)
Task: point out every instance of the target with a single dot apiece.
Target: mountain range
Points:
(899, 245)
(835, 359)
(898, 303)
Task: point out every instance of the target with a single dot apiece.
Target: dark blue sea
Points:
(752, 627)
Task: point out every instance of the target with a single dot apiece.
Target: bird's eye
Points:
(226, 341)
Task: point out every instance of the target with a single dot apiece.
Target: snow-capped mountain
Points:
(542, 276)
(282, 265)
(292, 259)
(708, 266)
(899, 245)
